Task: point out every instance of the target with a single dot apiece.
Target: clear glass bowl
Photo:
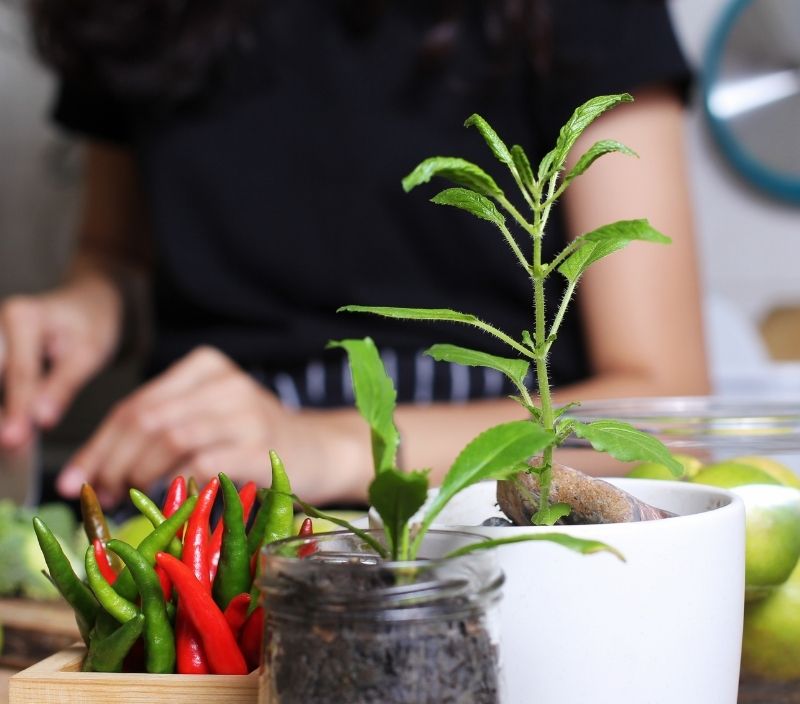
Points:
(712, 428)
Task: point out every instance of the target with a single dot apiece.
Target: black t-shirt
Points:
(276, 198)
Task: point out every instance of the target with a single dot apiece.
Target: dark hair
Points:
(166, 50)
(138, 49)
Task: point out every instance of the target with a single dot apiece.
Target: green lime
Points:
(654, 470)
(134, 530)
(771, 639)
(727, 475)
(772, 542)
(772, 467)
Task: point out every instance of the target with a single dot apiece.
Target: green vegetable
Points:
(280, 510)
(76, 593)
(94, 521)
(159, 639)
(256, 535)
(150, 510)
(107, 654)
(157, 541)
(233, 574)
(119, 607)
(21, 560)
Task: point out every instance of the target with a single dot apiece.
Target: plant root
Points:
(592, 500)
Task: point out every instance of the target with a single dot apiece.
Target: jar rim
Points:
(402, 590)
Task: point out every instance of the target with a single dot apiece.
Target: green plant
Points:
(505, 450)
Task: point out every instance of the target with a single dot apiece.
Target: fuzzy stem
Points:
(514, 246)
(562, 309)
(540, 357)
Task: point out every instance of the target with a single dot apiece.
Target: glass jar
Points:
(761, 433)
(343, 625)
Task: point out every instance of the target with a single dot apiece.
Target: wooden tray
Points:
(58, 680)
(34, 630)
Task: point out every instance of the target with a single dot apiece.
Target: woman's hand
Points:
(50, 346)
(205, 415)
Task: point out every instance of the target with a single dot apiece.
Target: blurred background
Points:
(749, 239)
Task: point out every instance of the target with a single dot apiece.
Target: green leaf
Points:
(514, 369)
(494, 454)
(561, 410)
(313, 512)
(550, 515)
(498, 147)
(624, 442)
(598, 149)
(528, 340)
(437, 314)
(461, 172)
(583, 116)
(523, 166)
(480, 206)
(605, 240)
(580, 545)
(375, 398)
(397, 496)
(414, 313)
(533, 410)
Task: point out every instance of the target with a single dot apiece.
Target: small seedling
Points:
(526, 446)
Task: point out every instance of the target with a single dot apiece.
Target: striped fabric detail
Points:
(418, 379)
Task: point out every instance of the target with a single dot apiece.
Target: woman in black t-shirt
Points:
(248, 156)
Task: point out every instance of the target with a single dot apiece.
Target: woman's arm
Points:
(641, 307)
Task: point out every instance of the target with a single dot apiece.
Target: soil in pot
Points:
(366, 634)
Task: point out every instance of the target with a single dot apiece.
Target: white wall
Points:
(749, 242)
(38, 173)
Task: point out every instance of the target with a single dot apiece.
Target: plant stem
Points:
(542, 348)
(562, 309)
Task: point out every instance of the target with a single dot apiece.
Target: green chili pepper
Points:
(119, 607)
(150, 510)
(192, 487)
(108, 654)
(94, 521)
(157, 541)
(77, 594)
(280, 507)
(105, 625)
(159, 639)
(256, 535)
(233, 573)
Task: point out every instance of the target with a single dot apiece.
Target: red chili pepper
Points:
(221, 649)
(103, 562)
(166, 583)
(176, 495)
(195, 540)
(251, 638)
(247, 495)
(189, 649)
(310, 547)
(190, 658)
(236, 613)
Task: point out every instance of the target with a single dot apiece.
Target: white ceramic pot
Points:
(664, 627)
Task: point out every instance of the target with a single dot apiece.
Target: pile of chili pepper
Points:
(185, 599)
